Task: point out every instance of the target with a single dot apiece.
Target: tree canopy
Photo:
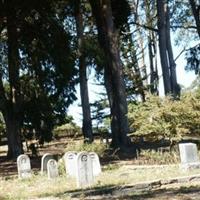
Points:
(46, 48)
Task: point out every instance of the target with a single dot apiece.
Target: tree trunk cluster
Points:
(168, 64)
(113, 73)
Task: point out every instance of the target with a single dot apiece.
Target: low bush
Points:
(98, 148)
(163, 118)
(152, 157)
(69, 129)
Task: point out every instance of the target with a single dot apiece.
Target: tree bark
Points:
(152, 46)
(153, 64)
(172, 65)
(87, 122)
(108, 38)
(166, 54)
(161, 9)
(196, 13)
(13, 112)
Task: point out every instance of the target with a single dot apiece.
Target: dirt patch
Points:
(174, 192)
(9, 167)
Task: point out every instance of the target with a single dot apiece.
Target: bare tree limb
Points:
(184, 50)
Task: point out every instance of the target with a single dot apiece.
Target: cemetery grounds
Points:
(153, 175)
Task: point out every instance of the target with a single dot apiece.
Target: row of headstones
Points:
(48, 164)
(84, 166)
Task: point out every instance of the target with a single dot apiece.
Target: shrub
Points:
(69, 129)
(152, 157)
(162, 118)
(98, 148)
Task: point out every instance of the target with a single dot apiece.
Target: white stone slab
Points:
(189, 156)
(70, 162)
(45, 158)
(84, 173)
(96, 167)
(23, 166)
(52, 169)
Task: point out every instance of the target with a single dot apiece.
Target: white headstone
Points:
(45, 158)
(70, 162)
(96, 167)
(23, 166)
(52, 169)
(189, 156)
(84, 173)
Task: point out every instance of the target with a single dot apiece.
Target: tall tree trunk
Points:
(13, 134)
(161, 9)
(108, 38)
(141, 70)
(172, 65)
(87, 122)
(13, 113)
(153, 64)
(166, 54)
(196, 12)
(152, 46)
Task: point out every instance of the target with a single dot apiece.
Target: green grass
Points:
(116, 173)
(113, 174)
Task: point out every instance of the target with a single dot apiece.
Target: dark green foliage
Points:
(182, 22)
(134, 75)
(162, 118)
(52, 90)
(121, 12)
(193, 59)
(47, 72)
(47, 62)
(101, 115)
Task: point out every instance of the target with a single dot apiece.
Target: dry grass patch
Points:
(113, 174)
(37, 186)
(130, 174)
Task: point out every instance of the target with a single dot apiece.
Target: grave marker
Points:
(95, 163)
(45, 158)
(84, 173)
(52, 169)
(189, 156)
(23, 166)
(70, 162)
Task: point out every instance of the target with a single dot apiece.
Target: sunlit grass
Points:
(37, 186)
(116, 173)
(113, 174)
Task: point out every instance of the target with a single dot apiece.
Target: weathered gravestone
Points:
(45, 158)
(23, 166)
(70, 162)
(96, 167)
(84, 173)
(52, 169)
(189, 156)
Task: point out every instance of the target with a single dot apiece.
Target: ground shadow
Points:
(109, 192)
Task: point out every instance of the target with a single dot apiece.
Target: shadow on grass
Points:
(119, 193)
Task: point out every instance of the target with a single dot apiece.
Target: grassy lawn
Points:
(113, 174)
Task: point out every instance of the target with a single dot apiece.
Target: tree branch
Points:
(184, 27)
(184, 50)
(145, 26)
